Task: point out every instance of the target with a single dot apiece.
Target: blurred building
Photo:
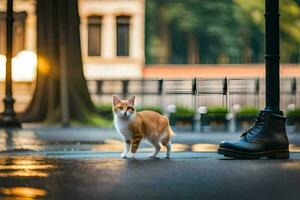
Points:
(113, 38)
(112, 35)
(24, 26)
(113, 45)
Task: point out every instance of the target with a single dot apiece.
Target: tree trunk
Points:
(58, 46)
(193, 49)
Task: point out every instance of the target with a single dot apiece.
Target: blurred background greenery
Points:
(210, 32)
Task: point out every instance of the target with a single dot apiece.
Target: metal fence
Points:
(223, 92)
(22, 92)
(192, 93)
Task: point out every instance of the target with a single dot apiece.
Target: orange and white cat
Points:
(134, 126)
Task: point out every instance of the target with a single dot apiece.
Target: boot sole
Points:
(275, 154)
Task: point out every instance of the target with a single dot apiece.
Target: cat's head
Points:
(123, 108)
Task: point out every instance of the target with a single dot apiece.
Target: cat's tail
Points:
(170, 132)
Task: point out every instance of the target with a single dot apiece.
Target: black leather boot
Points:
(267, 138)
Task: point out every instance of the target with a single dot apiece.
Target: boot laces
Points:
(259, 124)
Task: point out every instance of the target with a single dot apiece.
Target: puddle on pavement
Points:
(28, 177)
(20, 168)
(111, 145)
(22, 193)
(20, 140)
(204, 147)
(28, 140)
(28, 166)
(32, 177)
(294, 148)
(24, 140)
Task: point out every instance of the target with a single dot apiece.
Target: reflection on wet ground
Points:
(40, 166)
(30, 169)
(111, 145)
(25, 192)
(24, 140)
(19, 140)
(34, 177)
(16, 169)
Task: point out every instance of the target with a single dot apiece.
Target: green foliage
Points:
(293, 113)
(214, 114)
(289, 24)
(104, 109)
(216, 111)
(183, 112)
(224, 30)
(211, 22)
(105, 120)
(247, 112)
(87, 119)
(99, 121)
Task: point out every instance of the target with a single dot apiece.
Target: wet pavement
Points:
(84, 163)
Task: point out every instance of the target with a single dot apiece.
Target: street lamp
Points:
(8, 118)
(272, 56)
(267, 138)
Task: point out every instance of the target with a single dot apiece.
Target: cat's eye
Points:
(130, 108)
(119, 108)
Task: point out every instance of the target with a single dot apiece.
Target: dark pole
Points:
(8, 118)
(272, 55)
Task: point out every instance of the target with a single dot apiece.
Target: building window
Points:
(94, 36)
(123, 36)
(18, 32)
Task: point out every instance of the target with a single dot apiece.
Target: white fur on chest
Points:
(122, 127)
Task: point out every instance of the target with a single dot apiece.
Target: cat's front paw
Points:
(152, 155)
(123, 155)
(131, 155)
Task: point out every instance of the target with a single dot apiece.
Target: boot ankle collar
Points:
(274, 115)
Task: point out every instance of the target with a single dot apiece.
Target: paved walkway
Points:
(84, 163)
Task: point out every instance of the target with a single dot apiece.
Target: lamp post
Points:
(267, 138)
(8, 118)
(272, 55)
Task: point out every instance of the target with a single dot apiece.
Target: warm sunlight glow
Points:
(205, 147)
(23, 192)
(23, 66)
(24, 174)
(43, 65)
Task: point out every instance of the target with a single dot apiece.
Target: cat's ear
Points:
(131, 100)
(116, 100)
